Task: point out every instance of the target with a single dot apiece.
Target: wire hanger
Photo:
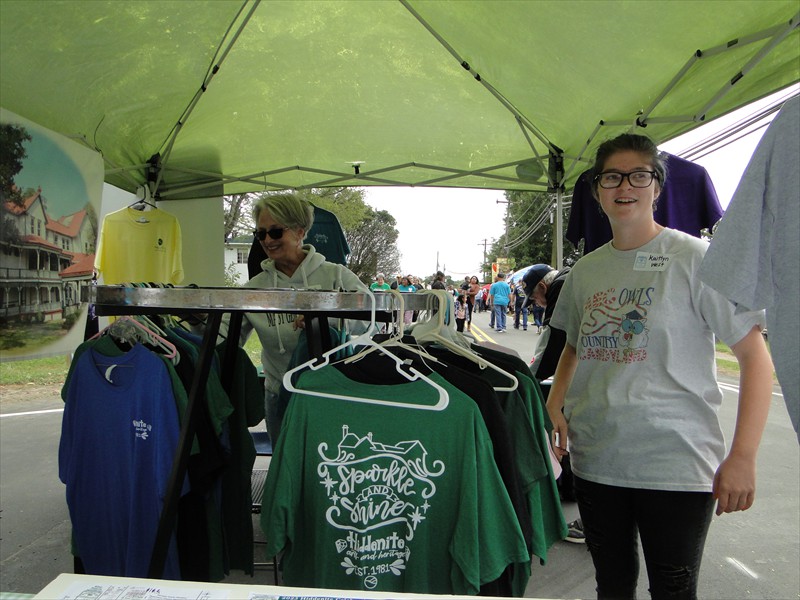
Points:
(365, 340)
(143, 199)
(434, 333)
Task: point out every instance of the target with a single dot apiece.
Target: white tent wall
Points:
(203, 231)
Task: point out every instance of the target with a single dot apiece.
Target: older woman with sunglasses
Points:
(282, 221)
(637, 383)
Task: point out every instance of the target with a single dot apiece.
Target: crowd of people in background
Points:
(472, 296)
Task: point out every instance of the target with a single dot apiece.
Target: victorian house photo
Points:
(45, 262)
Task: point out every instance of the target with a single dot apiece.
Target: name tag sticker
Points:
(647, 261)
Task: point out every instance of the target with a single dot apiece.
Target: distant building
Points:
(236, 251)
(44, 262)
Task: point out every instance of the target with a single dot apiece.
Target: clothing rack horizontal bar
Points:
(116, 300)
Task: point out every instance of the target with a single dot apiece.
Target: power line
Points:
(736, 130)
(536, 224)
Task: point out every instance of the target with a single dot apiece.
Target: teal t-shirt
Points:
(500, 292)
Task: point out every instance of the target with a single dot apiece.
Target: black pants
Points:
(672, 526)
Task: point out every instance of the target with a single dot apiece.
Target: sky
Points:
(48, 166)
(446, 227)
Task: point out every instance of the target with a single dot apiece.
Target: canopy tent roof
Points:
(291, 94)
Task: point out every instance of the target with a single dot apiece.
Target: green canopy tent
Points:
(248, 95)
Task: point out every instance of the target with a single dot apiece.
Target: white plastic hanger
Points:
(395, 340)
(425, 332)
(366, 341)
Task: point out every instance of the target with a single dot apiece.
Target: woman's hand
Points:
(734, 485)
(299, 322)
(562, 379)
(560, 431)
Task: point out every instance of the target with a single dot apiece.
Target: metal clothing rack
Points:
(316, 306)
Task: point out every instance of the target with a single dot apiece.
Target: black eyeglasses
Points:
(275, 233)
(612, 179)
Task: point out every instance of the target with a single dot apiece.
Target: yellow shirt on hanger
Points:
(136, 246)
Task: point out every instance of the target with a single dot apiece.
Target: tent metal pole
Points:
(478, 78)
(531, 144)
(430, 182)
(777, 33)
(654, 120)
(556, 174)
(669, 87)
(745, 40)
(213, 70)
(585, 146)
(759, 56)
(559, 228)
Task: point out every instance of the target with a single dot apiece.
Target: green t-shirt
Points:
(374, 497)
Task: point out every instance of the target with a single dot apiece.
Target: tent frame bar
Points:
(777, 38)
(217, 61)
(217, 179)
(477, 76)
(774, 34)
(154, 172)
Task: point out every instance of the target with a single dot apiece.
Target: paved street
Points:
(752, 555)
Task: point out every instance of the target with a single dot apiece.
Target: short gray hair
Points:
(287, 208)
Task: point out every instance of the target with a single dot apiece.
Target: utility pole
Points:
(505, 247)
(483, 242)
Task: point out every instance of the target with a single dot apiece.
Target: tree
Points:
(9, 234)
(239, 214)
(372, 235)
(346, 203)
(373, 246)
(231, 276)
(530, 231)
(12, 153)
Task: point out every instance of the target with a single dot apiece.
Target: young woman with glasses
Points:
(637, 382)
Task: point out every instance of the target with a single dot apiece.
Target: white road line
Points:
(735, 388)
(32, 412)
(741, 567)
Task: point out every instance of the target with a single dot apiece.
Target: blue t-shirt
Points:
(500, 291)
(119, 435)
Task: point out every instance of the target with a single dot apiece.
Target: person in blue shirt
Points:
(499, 296)
(405, 285)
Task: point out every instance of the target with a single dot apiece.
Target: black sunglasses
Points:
(275, 233)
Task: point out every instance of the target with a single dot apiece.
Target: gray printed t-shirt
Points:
(642, 407)
(754, 259)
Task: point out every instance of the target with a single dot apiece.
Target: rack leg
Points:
(166, 524)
